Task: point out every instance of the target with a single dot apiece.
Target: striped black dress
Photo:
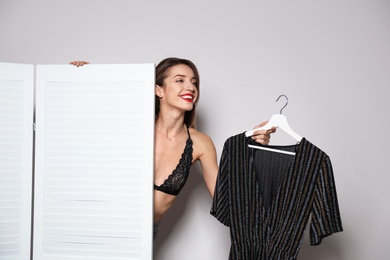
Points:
(267, 199)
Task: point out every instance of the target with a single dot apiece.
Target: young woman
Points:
(177, 143)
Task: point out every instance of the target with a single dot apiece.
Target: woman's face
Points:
(179, 89)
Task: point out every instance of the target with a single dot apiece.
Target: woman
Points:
(177, 143)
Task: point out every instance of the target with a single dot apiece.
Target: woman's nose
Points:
(191, 86)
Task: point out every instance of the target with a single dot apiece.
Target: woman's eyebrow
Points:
(184, 76)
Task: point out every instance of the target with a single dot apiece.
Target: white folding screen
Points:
(16, 146)
(94, 162)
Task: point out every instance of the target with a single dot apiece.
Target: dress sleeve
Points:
(220, 206)
(325, 217)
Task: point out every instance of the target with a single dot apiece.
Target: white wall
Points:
(331, 58)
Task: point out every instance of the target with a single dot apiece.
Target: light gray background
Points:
(331, 58)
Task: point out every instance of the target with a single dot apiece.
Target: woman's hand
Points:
(78, 63)
(263, 136)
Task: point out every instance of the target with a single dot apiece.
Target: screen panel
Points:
(94, 162)
(16, 146)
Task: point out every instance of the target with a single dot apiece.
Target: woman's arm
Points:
(208, 161)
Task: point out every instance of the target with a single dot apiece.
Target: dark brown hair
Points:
(162, 71)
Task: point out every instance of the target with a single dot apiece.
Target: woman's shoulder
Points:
(204, 148)
(198, 135)
(200, 139)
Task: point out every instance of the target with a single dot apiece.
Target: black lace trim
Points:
(177, 179)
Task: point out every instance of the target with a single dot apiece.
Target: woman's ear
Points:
(158, 91)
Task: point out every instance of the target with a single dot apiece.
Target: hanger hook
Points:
(285, 104)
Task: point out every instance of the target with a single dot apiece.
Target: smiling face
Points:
(179, 89)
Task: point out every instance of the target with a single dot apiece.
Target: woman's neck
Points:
(171, 127)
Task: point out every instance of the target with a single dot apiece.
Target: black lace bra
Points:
(176, 180)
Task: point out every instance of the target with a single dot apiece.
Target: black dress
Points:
(266, 211)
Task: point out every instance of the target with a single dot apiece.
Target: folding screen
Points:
(91, 195)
